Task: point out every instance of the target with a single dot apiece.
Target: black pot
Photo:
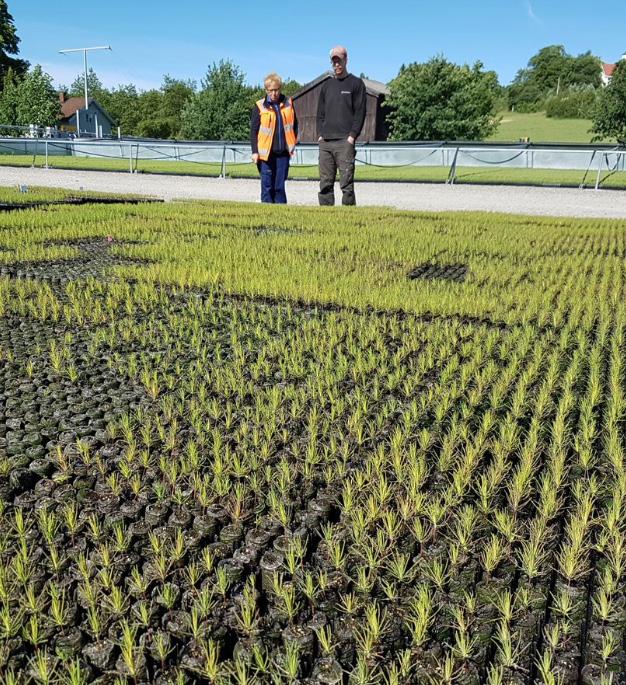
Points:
(69, 642)
(101, 654)
(327, 671)
(271, 562)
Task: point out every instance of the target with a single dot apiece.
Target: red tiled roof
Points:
(69, 106)
(608, 69)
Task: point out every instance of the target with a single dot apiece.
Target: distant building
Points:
(305, 103)
(607, 71)
(94, 122)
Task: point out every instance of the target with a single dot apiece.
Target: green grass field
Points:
(538, 128)
(539, 177)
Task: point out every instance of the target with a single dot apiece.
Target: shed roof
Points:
(69, 107)
(371, 86)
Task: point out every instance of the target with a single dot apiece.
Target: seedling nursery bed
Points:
(210, 473)
(14, 206)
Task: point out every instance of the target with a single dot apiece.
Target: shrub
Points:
(576, 103)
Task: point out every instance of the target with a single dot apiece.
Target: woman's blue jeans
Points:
(274, 173)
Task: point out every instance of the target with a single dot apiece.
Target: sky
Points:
(181, 39)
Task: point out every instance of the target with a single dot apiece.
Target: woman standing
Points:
(273, 137)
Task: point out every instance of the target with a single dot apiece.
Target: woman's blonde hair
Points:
(273, 78)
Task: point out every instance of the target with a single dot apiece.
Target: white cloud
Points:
(531, 12)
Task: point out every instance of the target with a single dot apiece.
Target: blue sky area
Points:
(182, 38)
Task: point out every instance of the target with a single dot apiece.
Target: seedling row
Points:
(210, 482)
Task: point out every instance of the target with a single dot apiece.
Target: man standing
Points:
(340, 118)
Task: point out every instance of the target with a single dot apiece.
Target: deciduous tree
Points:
(31, 99)
(552, 72)
(95, 89)
(163, 118)
(221, 109)
(122, 103)
(439, 100)
(38, 100)
(609, 120)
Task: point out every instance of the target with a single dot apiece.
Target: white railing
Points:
(589, 159)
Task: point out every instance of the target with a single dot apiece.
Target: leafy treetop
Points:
(439, 100)
(9, 43)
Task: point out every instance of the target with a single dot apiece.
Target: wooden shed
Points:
(305, 103)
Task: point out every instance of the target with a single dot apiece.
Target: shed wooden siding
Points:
(305, 103)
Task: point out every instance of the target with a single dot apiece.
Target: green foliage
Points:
(578, 102)
(29, 100)
(176, 93)
(8, 99)
(439, 100)
(524, 95)
(549, 72)
(9, 43)
(290, 86)
(221, 109)
(158, 128)
(95, 89)
(609, 117)
(122, 104)
(161, 110)
(38, 101)
(154, 113)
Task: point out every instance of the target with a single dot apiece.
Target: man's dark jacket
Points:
(341, 108)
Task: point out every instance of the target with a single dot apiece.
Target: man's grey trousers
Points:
(336, 154)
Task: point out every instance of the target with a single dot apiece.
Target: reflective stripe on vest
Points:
(268, 126)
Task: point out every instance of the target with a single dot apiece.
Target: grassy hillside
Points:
(539, 128)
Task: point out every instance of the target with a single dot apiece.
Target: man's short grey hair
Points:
(339, 48)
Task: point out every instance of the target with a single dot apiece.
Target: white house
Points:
(607, 71)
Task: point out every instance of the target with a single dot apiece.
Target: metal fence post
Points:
(582, 183)
(223, 169)
(46, 152)
(599, 171)
(452, 173)
(130, 159)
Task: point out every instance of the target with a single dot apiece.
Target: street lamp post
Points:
(85, 51)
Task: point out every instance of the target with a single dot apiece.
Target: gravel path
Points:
(416, 196)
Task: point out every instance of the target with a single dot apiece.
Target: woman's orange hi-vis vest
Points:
(268, 126)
